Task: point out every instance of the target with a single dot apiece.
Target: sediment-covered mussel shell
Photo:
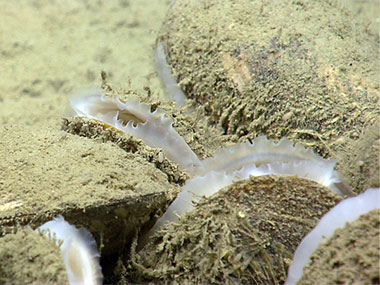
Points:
(99, 186)
(344, 247)
(275, 68)
(134, 117)
(28, 257)
(246, 232)
(259, 157)
(360, 159)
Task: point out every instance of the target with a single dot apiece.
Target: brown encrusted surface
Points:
(350, 256)
(302, 69)
(246, 233)
(28, 257)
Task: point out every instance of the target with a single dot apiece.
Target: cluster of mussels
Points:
(256, 210)
(242, 211)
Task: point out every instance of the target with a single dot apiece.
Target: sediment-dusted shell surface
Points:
(346, 211)
(360, 160)
(350, 256)
(95, 130)
(96, 185)
(28, 257)
(301, 69)
(245, 233)
(258, 157)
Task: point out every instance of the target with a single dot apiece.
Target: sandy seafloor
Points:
(50, 48)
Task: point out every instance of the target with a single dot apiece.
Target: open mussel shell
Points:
(109, 190)
(180, 133)
(247, 232)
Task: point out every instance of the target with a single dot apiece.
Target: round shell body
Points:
(246, 232)
(344, 245)
(306, 70)
(350, 256)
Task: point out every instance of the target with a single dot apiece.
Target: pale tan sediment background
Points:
(51, 48)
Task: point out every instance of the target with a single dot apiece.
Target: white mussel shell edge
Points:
(153, 128)
(347, 210)
(79, 251)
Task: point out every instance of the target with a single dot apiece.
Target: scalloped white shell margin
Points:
(79, 251)
(156, 131)
(264, 156)
(242, 160)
